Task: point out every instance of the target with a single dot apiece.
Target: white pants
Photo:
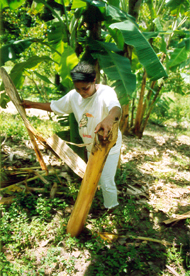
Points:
(107, 181)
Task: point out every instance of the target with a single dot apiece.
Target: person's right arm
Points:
(42, 106)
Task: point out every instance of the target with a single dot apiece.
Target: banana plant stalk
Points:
(90, 180)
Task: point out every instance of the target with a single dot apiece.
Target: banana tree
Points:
(173, 51)
(121, 30)
(98, 31)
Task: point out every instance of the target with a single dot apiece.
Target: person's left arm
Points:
(107, 123)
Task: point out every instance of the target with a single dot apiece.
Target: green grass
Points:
(21, 233)
(12, 125)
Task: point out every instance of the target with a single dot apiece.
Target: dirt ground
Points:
(156, 168)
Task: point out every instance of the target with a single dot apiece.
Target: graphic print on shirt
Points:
(83, 124)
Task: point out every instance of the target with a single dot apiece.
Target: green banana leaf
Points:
(185, 42)
(44, 78)
(17, 71)
(68, 61)
(13, 4)
(118, 69)
(12, 50)
(3, 4)
(177, 56)
(77, 4)
(66, 2)
(114, 3)
(146, 55)
(158, 24)
(115, 14)
(17, 76)
(57, 32)
(4, 99)
(173, 4)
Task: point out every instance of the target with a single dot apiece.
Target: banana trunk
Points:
(90, 180)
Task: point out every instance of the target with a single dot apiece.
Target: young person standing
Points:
(95, 107)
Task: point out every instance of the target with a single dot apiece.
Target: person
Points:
(95, 107)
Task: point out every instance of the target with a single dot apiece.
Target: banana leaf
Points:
(146, 55)
(56, 32)
(66, 2)
(174, 4)
(185, 43)
(114, 3)
(77, 4)
(44, 78)
(13, 4)
(68, 61)
(177, 56)
(17, 71)
(118, 69)
(12, 50)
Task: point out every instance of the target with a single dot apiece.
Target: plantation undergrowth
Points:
(153, 185)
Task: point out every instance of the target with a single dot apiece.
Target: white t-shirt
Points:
(89, 112)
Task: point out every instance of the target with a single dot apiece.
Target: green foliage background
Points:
(43, 41)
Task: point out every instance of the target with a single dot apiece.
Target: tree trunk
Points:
(143, 125)
(125, 118)
(89, 184)
(147, 100)
(140, 106)
(133, 9)
(132, 112)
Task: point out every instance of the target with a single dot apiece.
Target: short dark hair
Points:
(83, 71)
